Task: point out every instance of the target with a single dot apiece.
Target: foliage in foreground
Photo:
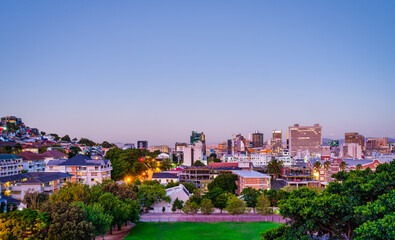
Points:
(361, 206)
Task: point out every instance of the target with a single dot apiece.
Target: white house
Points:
(165, 178)
(179, 192)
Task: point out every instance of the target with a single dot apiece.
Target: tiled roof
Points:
(223, 164)
(163, 175)
(78, 160)
(35, 177)
(250, 174)
(30, 156)
(8, 156)
(54, 154)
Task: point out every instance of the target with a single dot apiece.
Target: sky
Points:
(124, 71)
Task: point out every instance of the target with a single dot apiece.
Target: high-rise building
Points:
(142, 144)
(196, 137)
(305, 139)
(354, 137)
(277, 135)
(257, 140)
(277, 142)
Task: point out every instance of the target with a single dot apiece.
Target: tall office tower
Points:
(277, 135)
(354, 137)
(277, 142)
(257, 139)
(305, 139)
(196, 137)
(287, 139)
(230, 146)
(142, 144)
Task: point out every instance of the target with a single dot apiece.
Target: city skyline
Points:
(137, 71)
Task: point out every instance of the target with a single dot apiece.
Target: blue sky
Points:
(156, 70)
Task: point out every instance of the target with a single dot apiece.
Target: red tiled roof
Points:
(30, 156)
(223, 164)
(54, 154)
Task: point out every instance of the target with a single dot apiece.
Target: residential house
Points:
(16, 186)
(179, 192)
(83, 168)
(164, 178)
(10, 164)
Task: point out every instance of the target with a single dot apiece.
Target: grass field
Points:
(195, 231)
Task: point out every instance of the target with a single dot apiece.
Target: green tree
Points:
(68, 222)
(165, 164)
(150, 194)
(317, 165)
(123, 191)
(95, 214)
(177, 204)
(263, 205)
(225, 181)
(55, 136)
(18, 148)
(114, 207)
(74, 151)
(7, 149)
(86, 142)
(25, 224)
(274, 167)
(66, 138)
(35, 199)
(198, 164)
(191, 207)
(327, 164)
(236, 206)
(221, 200)
(106, 144)
(72, 192)
(172, 184)
(343, 165)
(250, 196)
(359, 166)
(206, 207)
(191, 187)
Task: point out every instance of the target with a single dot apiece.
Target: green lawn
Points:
(195, 231)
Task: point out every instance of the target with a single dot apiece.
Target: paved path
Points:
(216, 217)
(118, 235)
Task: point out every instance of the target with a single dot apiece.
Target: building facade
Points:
(83, 169)
(253, 179)
(10, 164)
(305, 140)
(257, 140)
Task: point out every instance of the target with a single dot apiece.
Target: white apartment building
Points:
(84, 169)
(10, 164)
(257, 159)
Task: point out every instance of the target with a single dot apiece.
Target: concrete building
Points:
(257, 140)
(84, 169)
(161, 148)
(351, 150)
(305, 139)
(277, 142)
(192, 153)
(10, 164)
(16, 186)
(142, 144)
(196, 137)
(354, 137)
(32, 162)
(253, 179)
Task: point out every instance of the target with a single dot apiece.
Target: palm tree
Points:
(359, 167)
(274, 167)
(343, 165)
(317, 165)
(326, 165)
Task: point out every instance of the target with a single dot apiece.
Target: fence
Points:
(209, 218)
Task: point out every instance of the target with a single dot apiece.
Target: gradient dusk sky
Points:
(124, 71)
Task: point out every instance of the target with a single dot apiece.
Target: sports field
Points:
(199, 230)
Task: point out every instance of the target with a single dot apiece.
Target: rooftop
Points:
(163, 175)
(250, 174)
(78, 160)
(8, 156)
(35, 177)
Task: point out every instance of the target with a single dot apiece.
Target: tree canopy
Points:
(357, 207)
